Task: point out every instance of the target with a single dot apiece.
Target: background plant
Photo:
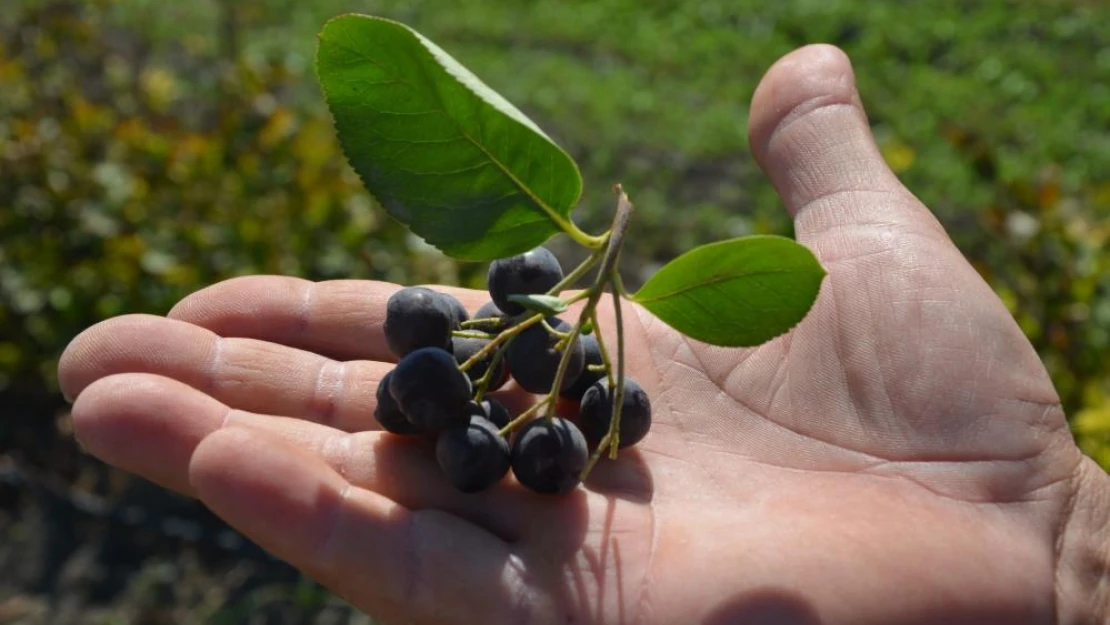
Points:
(148, 148)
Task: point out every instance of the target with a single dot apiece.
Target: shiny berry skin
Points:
(596, 412)
(533, 272)
(548, 456)
(430, 390)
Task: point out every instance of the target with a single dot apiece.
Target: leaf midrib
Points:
(706, 283)
(441, 110)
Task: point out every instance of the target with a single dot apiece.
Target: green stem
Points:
(618, 391)
(501, 339)
(581, 238)
(523, 418)
(616, 236)
(577, 297)
(564, 362)
(618, 283)
(604, 274)
(469, 334)
(553, 332)
(487, 377)
(605, 360)
(594, 457)
(578, 272)
(485, 321)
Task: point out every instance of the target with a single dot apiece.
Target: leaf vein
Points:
(710, 282)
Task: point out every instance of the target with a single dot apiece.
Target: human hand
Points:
(899, 457)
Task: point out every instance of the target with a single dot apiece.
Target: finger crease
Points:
(212, 367)
(304, 315)
(329, 385)
(807, 108)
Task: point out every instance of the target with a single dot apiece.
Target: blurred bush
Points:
(129, 180)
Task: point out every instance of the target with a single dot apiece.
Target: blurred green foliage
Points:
(150, 148)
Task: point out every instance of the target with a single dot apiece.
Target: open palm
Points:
(899, 457)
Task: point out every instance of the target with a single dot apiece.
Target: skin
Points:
(899, 457)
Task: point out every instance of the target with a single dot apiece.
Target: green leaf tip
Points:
(437, 148)
(735, 293)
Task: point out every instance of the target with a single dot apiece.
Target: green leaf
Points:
(740, 292)
(546, 304)
(442, 152)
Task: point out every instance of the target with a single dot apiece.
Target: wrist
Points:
(1083, 549)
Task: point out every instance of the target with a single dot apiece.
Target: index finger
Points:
(340, 319)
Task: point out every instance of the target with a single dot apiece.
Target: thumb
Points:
(809, 132)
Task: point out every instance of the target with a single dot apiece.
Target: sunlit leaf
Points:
(739, 292)
(442, 152)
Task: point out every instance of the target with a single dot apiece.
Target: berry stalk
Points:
(607, 362)
(483, 382)
(500, 340)
(593, 295)
(618, 395)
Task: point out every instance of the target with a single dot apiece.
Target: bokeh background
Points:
(151, 147)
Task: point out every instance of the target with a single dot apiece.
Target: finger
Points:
(151, 425)
(810, 134)
(246, 374)
(342, 319)
(395, 563)
(147, 425)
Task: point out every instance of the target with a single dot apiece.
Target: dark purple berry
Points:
(533, 360)
(474, 457)
(489, 310)
(417, 317)
(496, 412)
(597, 412)
(430, 390)
(585, 380)
(457, 310)
(535, 271)
(465, 348)
(387, 412)
(548, 456)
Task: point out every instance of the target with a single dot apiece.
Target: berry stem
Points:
(472, 334)
(520, 420)
(605, 274)
(578, 272)
(605, 360)
(487, 377)
(474, 323)
(553, 331)
(616, 236)
(504, 337)
(574, 232)
(594, 457)
(557, 385)
(593, 294)
(618, 390)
